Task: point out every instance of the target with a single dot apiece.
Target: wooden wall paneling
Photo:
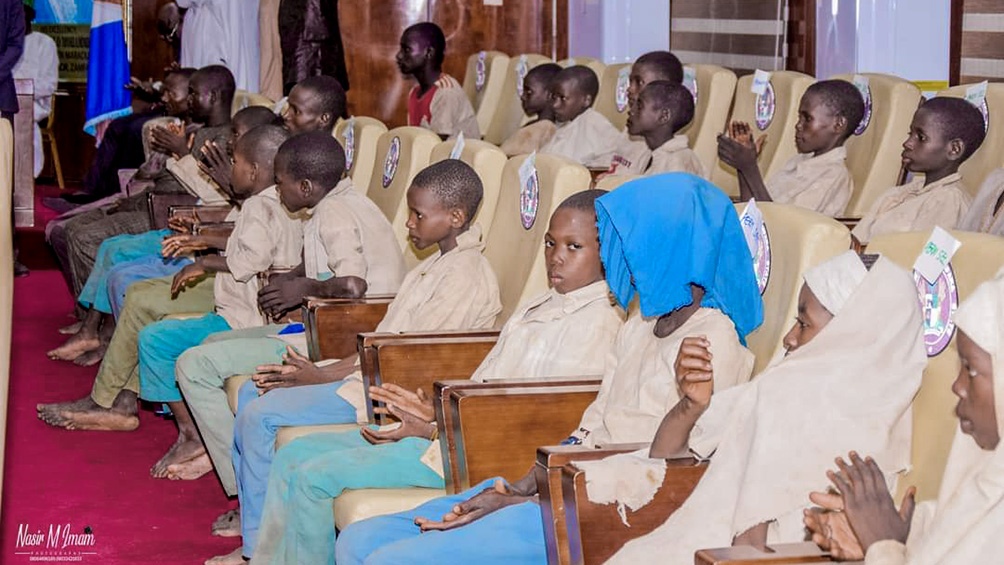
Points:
(801, 37)
(976, 41)
(150, 54)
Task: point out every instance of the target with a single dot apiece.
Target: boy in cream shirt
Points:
(944, 133)
(583, 134)
(816, 178)
(657, 114)
(451, 290)
(536, 101)
(567, 331)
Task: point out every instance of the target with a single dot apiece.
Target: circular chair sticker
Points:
(479, 72)
(765, 105)
(866, 94)
(621, 94)
(521, 70)
(690, 82)
(938, 302)
(390, 163)
(761, 261)
(350, 144)
(529, 200)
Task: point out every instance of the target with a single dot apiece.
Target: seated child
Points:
(817, 177)
(451, 290)
(583, 135)
(944, 133)
(650, 67)
(568, 331)
(128, 258)
(985, 213)
(438, 101)
(536, 100)
(963, 524)
(265, 236)
(708, 292)
(657, 113)
(314, 104)
(839, 384)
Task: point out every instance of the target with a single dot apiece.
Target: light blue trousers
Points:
(160, 345)
(258, 420)
(122, 275)
(297, 525)
(514, 534)
(113, 251)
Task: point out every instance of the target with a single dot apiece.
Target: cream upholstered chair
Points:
(243, 99)
(612, 100)
(797, 240)
(713, 88)
(401, 153)
(990, 155)
(360, 147)
(487, 160)
(516, 252)
(934, 421)
(611, 182)
(509, 113)
(477, 76)
(873, 156)
(6, 271)
(785, 89)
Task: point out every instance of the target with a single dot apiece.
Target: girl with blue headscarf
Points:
(675, 242)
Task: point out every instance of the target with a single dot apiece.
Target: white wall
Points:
(617, 31)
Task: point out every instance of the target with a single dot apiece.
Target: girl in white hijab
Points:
(963, 526)
(842, 382)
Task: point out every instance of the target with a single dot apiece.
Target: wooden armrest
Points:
(208, 214)
(159, 205)
(219, 229)
(595, 531)
(777, 554)
(444, 416)
(418, 359)
(332, 324)
(851, 223)
(497, 430)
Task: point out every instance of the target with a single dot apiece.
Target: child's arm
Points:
(739, 150)
(197, 271)
(287, 293)
(184, 244)
(695, 379)
(297, 370)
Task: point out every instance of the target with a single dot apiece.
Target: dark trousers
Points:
(121, 148)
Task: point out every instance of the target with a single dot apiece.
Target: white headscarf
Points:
(834, 281)
(968, 522)
(848, 388)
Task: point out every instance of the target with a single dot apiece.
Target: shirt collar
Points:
(676, 143)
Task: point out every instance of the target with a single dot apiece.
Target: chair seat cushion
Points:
(289, 433)
(355, 505)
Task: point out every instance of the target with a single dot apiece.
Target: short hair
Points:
(315, 156)
(330, 95)
(664, 63)
(544, 73)
(674, 97)
(843, 99)
(454, 183)
(219, 79)
(584, 201)
(254, 116)
(433, 37)
(184, 72)
(583, 77)
(261, 144)
(958, 119)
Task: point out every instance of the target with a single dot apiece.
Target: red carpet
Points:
(91, 479)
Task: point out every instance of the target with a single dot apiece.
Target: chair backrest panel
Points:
(990, 155)
(612, 99)
(360, 157)
(715, 87)
(509, 113)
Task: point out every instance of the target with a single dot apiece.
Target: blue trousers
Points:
(122, 275)
(160, 345)
(115, 250)
(297, 524)
(514, 534)
(259, 418)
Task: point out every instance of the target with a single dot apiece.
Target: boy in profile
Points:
(536, 101)
(943, 134)
(438, 101)
(817, 178)
(583, 135)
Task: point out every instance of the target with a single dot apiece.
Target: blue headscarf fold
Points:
(659, 234)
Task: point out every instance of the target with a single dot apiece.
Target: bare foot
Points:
(92, 357)
(228, 524)
(183, 450)
(77, 345)
(85, 414)
(191, 469)
(72, 328)
(233, 558)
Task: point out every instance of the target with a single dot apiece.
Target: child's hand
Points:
(217, 165)
(187, 276)
(282, 296)
(479, 506)
(694, 373)
(176, 245)
(831, 532)
(296, 370)
(181, 224)
(417, 403)
(736, 154)
(412, 425)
